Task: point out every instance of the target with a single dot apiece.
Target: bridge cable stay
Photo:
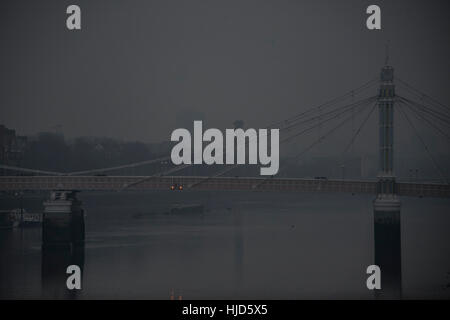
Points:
(327, 104)
(420, 117)
(141, 163)
(353, 120)
(355, 134)
(320, 116)
(420, 94)
(333, 114)
(53, 173)
(438, 168)
(12, 168)
(290, 120)
(433, 109)
(131, 165)
(319, 109)
(348, 108)
(443, 118)
(137, 164)
(345, 110)
(327, 134)
(318, 141)
(363, 123)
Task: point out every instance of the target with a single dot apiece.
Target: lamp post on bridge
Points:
(387, 204)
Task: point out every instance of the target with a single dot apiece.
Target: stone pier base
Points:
(63, 222)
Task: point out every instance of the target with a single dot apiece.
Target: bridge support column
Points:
(387, 205)
(62, 242)
(387, 241)
(63, 223)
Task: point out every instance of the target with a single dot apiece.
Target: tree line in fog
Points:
(51, 151)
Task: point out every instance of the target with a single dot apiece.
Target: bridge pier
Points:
(387, 205)
(54, 263)
(62, 242)
(387, 242)
(63, 223)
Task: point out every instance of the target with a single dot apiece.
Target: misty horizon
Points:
(127, 75)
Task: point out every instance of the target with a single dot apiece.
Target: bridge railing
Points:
(118, 183)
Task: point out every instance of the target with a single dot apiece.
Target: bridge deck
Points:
(114, 183)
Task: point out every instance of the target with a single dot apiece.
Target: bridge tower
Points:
(387, 204)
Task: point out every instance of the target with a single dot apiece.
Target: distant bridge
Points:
(117, 183)
(426, 111)
(64, 219)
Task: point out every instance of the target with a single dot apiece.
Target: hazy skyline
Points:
(135, 65)
(105, 199)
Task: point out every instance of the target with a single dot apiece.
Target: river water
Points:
(244, 245)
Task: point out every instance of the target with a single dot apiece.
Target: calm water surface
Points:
(245, 245)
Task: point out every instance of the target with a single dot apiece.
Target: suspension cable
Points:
(338, 115)
(291, 137)
(434, 113)
(12, 168)
(360, 128)
(319, 140)
(419, 116)
(423, 143)
(421, 94)
(131, 165)
(320, 116)
(326, 104)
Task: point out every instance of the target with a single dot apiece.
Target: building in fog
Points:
(12, 147)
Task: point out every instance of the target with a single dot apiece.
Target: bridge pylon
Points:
(387, 236)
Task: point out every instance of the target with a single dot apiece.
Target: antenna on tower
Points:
(387, 54)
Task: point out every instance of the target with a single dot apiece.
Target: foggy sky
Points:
(135, 65)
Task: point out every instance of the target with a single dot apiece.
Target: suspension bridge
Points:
(337, 113)
(64, 218)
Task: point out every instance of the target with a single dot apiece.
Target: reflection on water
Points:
(244, 245)
(55, 261)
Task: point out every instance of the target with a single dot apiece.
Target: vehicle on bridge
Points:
(176, 186)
